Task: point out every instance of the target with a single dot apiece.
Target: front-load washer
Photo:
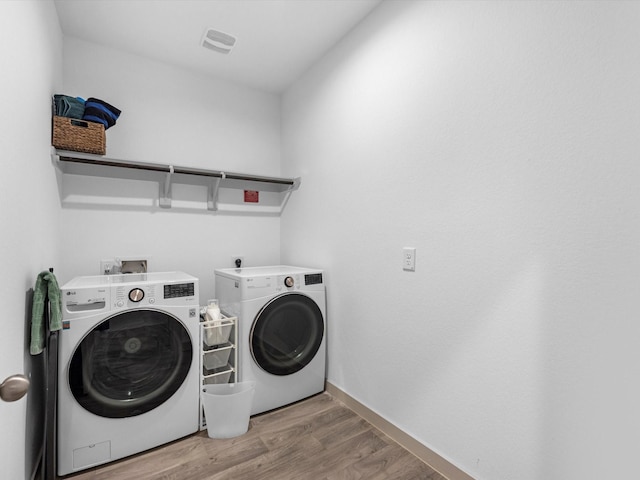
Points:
(128, 375)
(281, 330)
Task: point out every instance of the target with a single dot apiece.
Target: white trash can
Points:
(227, 408)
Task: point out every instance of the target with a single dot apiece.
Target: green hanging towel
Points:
(46, 286)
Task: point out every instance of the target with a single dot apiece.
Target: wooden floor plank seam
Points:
(318, 438)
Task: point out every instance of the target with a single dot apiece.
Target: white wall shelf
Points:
(77, 163)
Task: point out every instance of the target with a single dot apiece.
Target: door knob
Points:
(14, 388)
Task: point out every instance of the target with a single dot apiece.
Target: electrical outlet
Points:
(409, 259)
(106, 267)
(237, 261)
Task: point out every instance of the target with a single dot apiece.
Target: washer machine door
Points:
(286, 334)
(130, 363)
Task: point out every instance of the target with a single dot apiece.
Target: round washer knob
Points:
(136, 295)
(289, 281)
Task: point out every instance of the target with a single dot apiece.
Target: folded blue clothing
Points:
(66, 106)
(99, 111)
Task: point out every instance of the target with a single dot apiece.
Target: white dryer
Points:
(281, 330)
(128, 375)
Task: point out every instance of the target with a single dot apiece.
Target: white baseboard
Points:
(428, 456)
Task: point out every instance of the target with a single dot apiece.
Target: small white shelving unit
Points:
(166, 176)
(218, 354)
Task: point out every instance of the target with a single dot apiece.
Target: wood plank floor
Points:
(316, 439)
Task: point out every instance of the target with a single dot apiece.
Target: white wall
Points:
(174, 117)
(501, 140)
(30, 55)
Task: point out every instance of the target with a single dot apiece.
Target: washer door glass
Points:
(130, 363)
(286, 334)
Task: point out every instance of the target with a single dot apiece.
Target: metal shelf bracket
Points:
(212, 194)
(165, 190)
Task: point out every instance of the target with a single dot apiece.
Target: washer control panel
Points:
(128, 295)
(178, 290)
(136, 295)
(150, 294)
(88, 295)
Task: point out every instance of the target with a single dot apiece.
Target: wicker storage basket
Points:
(78, 135)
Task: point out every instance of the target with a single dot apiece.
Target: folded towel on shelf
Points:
(46, 287)
(99, 111)
(66, 106)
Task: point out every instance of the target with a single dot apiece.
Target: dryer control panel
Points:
(296, 281)
(313, 279)
(289, 282)
(236, 284)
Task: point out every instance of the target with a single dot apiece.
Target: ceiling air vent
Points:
(218, 41)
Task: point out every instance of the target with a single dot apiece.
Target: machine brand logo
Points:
(71, 292)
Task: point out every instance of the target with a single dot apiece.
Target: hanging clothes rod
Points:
(88, 159)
